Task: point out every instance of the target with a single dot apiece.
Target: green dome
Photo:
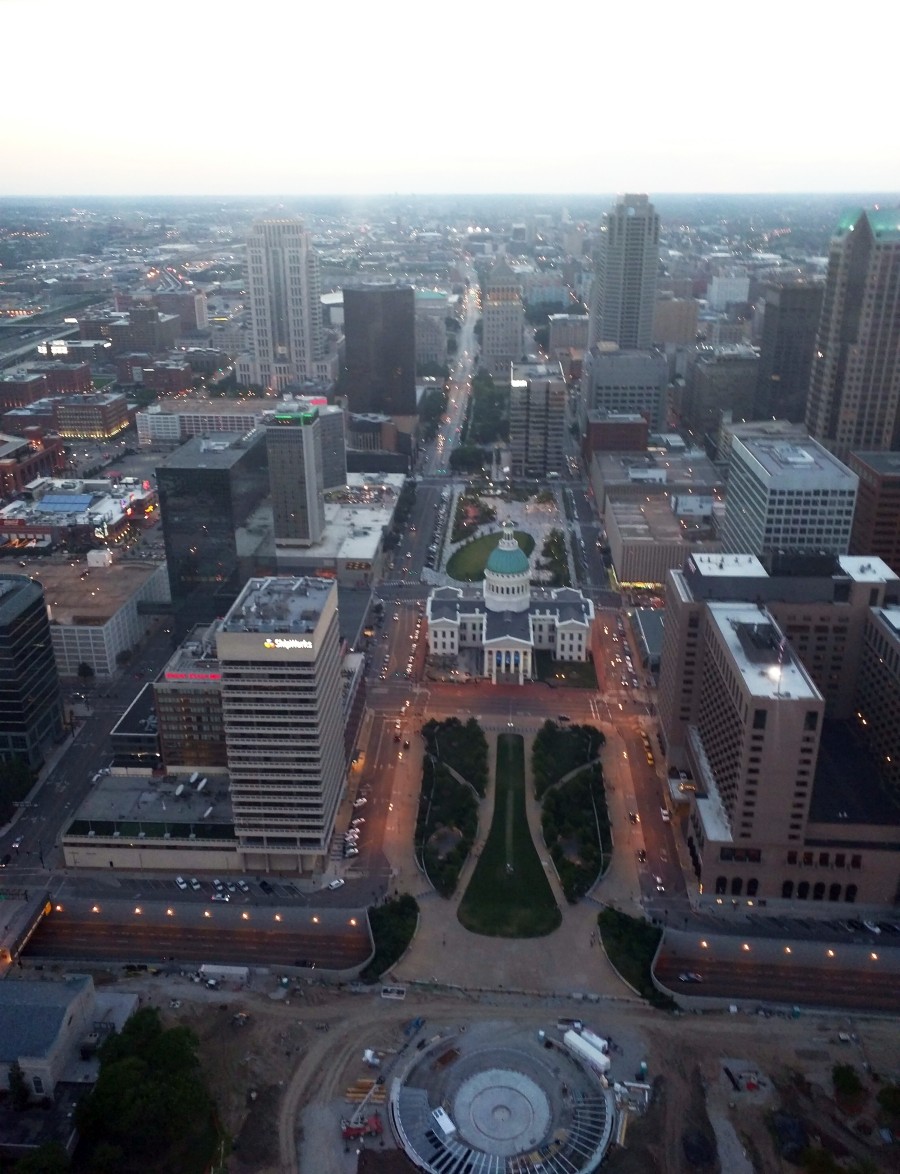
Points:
(508, 562)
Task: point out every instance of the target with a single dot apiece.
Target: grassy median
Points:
(509, 895)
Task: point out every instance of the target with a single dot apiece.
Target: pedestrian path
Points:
(566, 962)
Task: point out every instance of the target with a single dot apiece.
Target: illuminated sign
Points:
(193, 676)
(278, 642)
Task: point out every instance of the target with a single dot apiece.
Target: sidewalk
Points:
(565, 962)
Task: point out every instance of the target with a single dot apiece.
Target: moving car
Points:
(336, 884)
(221, 897)
(690, 976)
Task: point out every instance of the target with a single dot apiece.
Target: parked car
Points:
(266, 887)
(195, 884)
(243, 886)
(181, 882)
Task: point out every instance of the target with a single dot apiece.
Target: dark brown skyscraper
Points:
(786, 354)
(380, 361)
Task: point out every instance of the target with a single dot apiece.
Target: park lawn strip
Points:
(509, 894)
(468, 563)
(631, 944)
(393, 925)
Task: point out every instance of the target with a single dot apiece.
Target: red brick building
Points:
(614, 432)
(876, 522)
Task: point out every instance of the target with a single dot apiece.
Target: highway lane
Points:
(117, 931)
(864, 985)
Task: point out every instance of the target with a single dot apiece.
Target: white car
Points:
(195, 884)
(336, 884)
(361, 802)
(243, 886)
(181, 882)
(872, 927)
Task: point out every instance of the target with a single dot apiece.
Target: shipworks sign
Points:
(287, 645)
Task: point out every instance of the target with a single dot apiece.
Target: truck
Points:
(233, 975)
(586, 1052)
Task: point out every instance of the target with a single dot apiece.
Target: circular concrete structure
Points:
(493, 1096)
(501, 1112)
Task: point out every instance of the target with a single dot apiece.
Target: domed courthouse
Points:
(508, 620)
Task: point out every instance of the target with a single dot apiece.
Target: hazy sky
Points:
(190, 97)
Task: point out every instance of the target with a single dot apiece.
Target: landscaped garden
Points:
(574, 674)
(393, 925)
(470, 513)
(468, 563)
(509, 894)
(460, 745)
(576, 830)
(559, 749)
(630, 944)
(445, 825)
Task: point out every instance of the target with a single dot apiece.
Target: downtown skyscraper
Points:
(285, 303)
(854, 390)
(626, 261)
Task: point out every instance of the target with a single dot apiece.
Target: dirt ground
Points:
(280, 1078)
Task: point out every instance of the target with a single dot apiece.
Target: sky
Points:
(187, 97)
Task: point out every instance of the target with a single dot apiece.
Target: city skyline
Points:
(402, 103)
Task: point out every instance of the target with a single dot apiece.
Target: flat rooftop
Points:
(885, 463)
(83, 594)
(195, 659)
(651, 520)
(729, 566)
(847, 788)
(690, 469)
(279, 605)
(866, 568)
(220, 451)
(134, 801)
(760, 653)
(797, 463)
(524, 372)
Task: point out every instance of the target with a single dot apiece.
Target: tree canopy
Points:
(149, 1108)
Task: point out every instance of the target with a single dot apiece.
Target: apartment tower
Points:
(294, 445)
(278, 653)
(30, 704)
(854, 390)
(380, 349)
(626, 261)
(285, 302)
(537, 419)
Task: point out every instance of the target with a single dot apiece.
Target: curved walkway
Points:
(564, 962)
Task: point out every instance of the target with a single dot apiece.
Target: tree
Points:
(846, 1081)
(50, 1158)
(18, 1086)
(85, 671)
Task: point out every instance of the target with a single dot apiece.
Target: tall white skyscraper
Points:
(503, 319)
(279, 656)
(285, 303)
(626, 261)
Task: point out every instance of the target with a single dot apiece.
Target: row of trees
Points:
(560, 749)
(461, 746)
(489, 417)
(393, 925)
(445, 827)
(553, 552)
(575, 824)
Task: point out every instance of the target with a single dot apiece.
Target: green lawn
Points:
(509, 895)
(575, 674)
(467, 565)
